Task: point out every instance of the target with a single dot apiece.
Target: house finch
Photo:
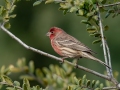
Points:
(69, 47)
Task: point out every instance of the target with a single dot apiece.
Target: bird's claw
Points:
(61, 62)
(76, 65)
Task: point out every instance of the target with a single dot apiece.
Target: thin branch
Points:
(103, 41)
(11, 85)
(109, 58)
(108, 5)
(51, 56)
(109, 88)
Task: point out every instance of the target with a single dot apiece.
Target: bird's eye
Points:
(52, 32)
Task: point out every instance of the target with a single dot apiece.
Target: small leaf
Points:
(107, 14)
(76, 80)
(7, 25)
(39, 73)
(93, 83)
(97, 83)
(65, 12)
(101, 86)
(69, 88)
(8, 80)
(106, 27)
(92, 29)
(96, 41)
(12, 16)
(31, 67)
(49, 1)
(85, 22)
(16, 83)
(12, 8)
(38, 87)
(84, 77)
(1, 9)
(81, 12)
(26, 84)
(88, 83)
(80, 82)
(103, 1)
(73, 9)
(27, 77)
(37, 3)
(97, 35)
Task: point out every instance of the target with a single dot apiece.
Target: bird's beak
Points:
(48, 34)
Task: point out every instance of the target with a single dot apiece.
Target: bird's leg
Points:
(76, 66)
(62, 60)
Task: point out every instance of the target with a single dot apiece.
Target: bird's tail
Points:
(87, 55)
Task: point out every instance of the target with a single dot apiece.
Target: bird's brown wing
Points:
(70, 42)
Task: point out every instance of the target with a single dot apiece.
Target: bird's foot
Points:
(61, 62)
(76, 66)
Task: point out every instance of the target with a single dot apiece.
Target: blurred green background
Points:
(31, 26)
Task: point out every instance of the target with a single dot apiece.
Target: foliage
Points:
(6, 12)
(53, 78)
(88, 9)
(56, 77)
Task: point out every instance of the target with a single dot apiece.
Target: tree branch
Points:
(109, 58)
(108, 88)
(108, 5)
(109, 72)
(103, 41)
(51, 56)
(5, 83)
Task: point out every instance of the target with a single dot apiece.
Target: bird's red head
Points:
(53, 32)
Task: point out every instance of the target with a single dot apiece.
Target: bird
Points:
(68, 46)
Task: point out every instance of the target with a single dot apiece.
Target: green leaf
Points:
(2, 69)
(37, 3)
(65, 11)
(1, 10)
(65, 5)
(7, 25)
(85, 22)
(8, 80)
(93, 83)
(12, 16)
(69, 88)
(39, 73)
(97, 83)
(104, 1)
(84, 77)
(106, 27)
(97, 35)
(27, 77)
(97, 89)
(26, 84)
(92, 29)
(88, 83)
(49, 1)
(12, 8)
(73, 9)
(8, 4)
(75, 80)
(81, 12)
(96, 41)
(101, 86)
(31, 67)
(80, 82)
(16, 83)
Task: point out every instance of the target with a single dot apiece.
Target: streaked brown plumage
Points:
(68, 46)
